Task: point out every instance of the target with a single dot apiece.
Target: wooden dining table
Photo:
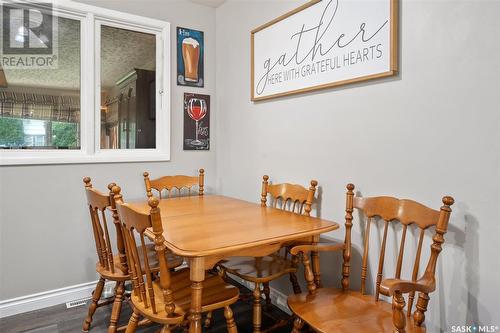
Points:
(206, 229)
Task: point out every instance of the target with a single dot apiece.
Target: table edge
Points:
(228, 249)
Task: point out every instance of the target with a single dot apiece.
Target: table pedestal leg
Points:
(197, 273)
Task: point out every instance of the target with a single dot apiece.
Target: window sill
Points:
(44, 157)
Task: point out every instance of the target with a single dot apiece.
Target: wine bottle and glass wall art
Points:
(190, 52)
(196, 122)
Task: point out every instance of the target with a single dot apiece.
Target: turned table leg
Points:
(257, 309)
(197, 275)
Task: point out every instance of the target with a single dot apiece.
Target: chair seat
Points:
(261, 269)
(333, 310)
(215, 294)
(172, 260)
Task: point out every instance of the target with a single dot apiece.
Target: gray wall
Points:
(432, 130)
(45, 235)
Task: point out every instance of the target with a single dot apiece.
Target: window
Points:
(82, 84)
(34, 99)
(127, 76)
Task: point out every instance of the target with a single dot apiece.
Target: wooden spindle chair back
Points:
(175, 185)
(98, 203)
(291, 197)
(407, 213)
(134, 224)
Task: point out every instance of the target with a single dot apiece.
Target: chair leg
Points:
(231, 325)
(133, 322)
(209, 320)
(117, 307)
(295, 283)
(267, 292)
(316, 268)
(96, 295)
(257, 309)
(297, 325)
(398, 316)
(419, 315)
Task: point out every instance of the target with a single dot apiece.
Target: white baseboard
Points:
(46, 299)
(277, 297)
(50, 298)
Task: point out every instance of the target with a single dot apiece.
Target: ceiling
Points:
(210, 3)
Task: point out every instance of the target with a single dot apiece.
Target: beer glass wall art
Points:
(196, 122)
(190, 49)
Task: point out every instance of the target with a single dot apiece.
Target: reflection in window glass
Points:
(128, 91)
(40, 107)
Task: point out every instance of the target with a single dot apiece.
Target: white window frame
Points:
(91, 19)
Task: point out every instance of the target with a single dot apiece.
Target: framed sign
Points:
(190, 64)
(196, 122)
(324, 43)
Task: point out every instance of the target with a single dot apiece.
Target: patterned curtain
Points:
(40, 107)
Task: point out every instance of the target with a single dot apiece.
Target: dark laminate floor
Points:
(58, 319)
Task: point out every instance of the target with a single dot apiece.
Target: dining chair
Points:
(345, 310)
(167, 299)
(172, 184)
(109, 266)
(261, 270)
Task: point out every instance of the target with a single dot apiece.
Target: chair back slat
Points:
(129, 251)
(290, 197)
(416, 267)
(401, 252)
(136, 263)
(407, 213)
(137, 221)
(296, 206)
(97, 236)
(148, 274)
(275, 204)
(109, 249)
(365, 256)
(102, 241)
(174, 184)
(381, 260)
